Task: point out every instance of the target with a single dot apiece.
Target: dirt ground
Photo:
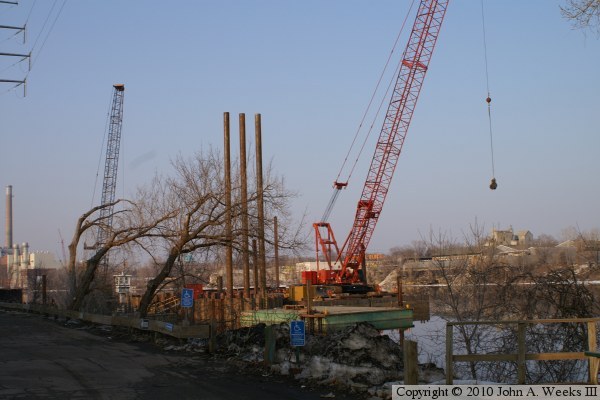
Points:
(46, 359)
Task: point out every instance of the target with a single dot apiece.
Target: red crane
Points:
(414, 64)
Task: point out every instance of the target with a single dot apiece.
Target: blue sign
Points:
(187, 298)
(297, 333)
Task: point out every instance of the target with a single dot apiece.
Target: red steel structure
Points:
(412, 70)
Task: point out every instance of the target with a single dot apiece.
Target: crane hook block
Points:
(493, 184)
(488, 100)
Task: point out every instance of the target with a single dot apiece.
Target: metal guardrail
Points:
(522, 355)
(201, 331)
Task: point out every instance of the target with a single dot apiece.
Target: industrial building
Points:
(22, 269)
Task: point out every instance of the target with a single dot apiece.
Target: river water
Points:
(431, 340)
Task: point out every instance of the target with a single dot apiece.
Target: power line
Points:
(340, 184)
(44, 24)
(371, 102)
(30, 11)
(493, 184)
(43, 35)
(49, 31)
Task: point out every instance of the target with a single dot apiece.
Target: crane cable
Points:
(493, 183)
(102, 151)
(338, 185)
(59, 12)
(371, 102)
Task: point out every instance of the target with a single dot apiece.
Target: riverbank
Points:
(354, 363)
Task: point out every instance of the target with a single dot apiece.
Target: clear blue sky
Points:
(309, 67)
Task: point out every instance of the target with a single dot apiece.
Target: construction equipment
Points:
(346, 265)
(110, 168)
(64, 261)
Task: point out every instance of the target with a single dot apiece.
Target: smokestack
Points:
(25, 255)
(9, 223)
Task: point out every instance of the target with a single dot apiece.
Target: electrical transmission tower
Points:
(17, 29)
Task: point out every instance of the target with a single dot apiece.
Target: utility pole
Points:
(228, 213)
(260, 208)
(255, 267)
(276, 245)
(244, 201)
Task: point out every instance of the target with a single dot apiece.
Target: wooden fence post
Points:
(270, 340)
(521, 366)
(411, 372)
(593, 361)
(212, 341)
(222, 320)
(400, 294)
(449, 355)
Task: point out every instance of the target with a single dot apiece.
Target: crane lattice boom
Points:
(111, 164)
(414, 65)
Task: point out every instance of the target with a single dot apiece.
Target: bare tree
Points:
(586, 244)
(417, 249)
(128, 226)
(195, 200)
(474, 289)
(583, 14)
(545, 240)
(557, 293)
(483, 285)
(277, 199)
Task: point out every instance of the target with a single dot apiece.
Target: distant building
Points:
(522, 239)
(375, 256)
(503, 238)
(581, 244)
(22, 269)
(567, 243)
(372, 260)
(312, 266)
(3, 272)
(29, 271)
(512, 252)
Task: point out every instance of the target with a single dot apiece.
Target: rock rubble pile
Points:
(357, 357)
